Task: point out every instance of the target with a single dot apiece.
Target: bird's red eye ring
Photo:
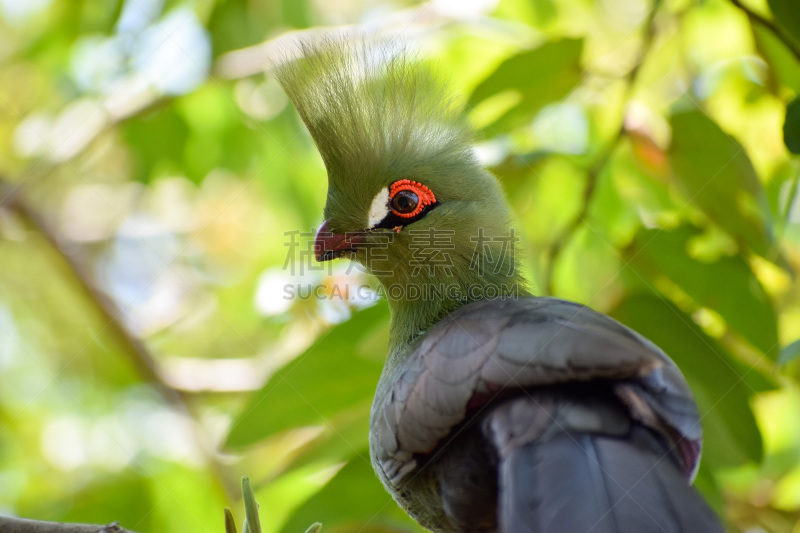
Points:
(408, 198)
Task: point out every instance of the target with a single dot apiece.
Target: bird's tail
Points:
(609, 476)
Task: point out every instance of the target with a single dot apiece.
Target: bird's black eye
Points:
(405, 202)
(408, 199)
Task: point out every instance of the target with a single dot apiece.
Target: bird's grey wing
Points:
(489, 349)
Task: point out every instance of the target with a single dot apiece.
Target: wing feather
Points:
(497, 346)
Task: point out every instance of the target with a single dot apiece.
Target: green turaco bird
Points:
(496, 410)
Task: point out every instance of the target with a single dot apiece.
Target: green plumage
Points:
(369, 104)
(378, 114)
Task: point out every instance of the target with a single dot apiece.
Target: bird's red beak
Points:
(329, 245)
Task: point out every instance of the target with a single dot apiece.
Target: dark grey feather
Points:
(598, 482)
(556, 388)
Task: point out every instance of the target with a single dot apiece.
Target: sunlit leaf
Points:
(731, 436)
(726, 285)
(338, 372)
(537, 77)
(717, 176)
(347, 432)
(353, 496)
(109, 497)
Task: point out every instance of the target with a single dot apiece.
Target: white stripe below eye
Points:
(379, 208)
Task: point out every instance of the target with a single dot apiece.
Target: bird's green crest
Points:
(380, 115)
(370, 104)
(367, 99)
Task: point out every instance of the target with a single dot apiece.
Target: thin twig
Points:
(596, 169)
(10, 524)
(771, 26)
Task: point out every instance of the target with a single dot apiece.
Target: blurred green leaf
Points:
(715, 173)
(235, 25)
(790, 353)
(538, 77)
(348, 430)
(782, 193)
(537, 14)
(157, 142)
(100, 16)
(787, 15)
(731, 436)
(314, 528)
(230, 523)
(791, 126)
(708, 486)
(252, 524)
(785, 68)
(102, 501)
(296, 13)
(354, 500)
(516, 170)
(338, 372)
(726, 285)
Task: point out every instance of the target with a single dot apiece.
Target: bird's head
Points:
(406, 196)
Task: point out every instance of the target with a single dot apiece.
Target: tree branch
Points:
(771, 26)
(133, 347)
(594, 171)
(10, 524)
(136, 351)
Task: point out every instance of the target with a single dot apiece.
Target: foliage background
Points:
(158, 192)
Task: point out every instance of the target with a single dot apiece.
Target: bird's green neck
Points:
(438, 284)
